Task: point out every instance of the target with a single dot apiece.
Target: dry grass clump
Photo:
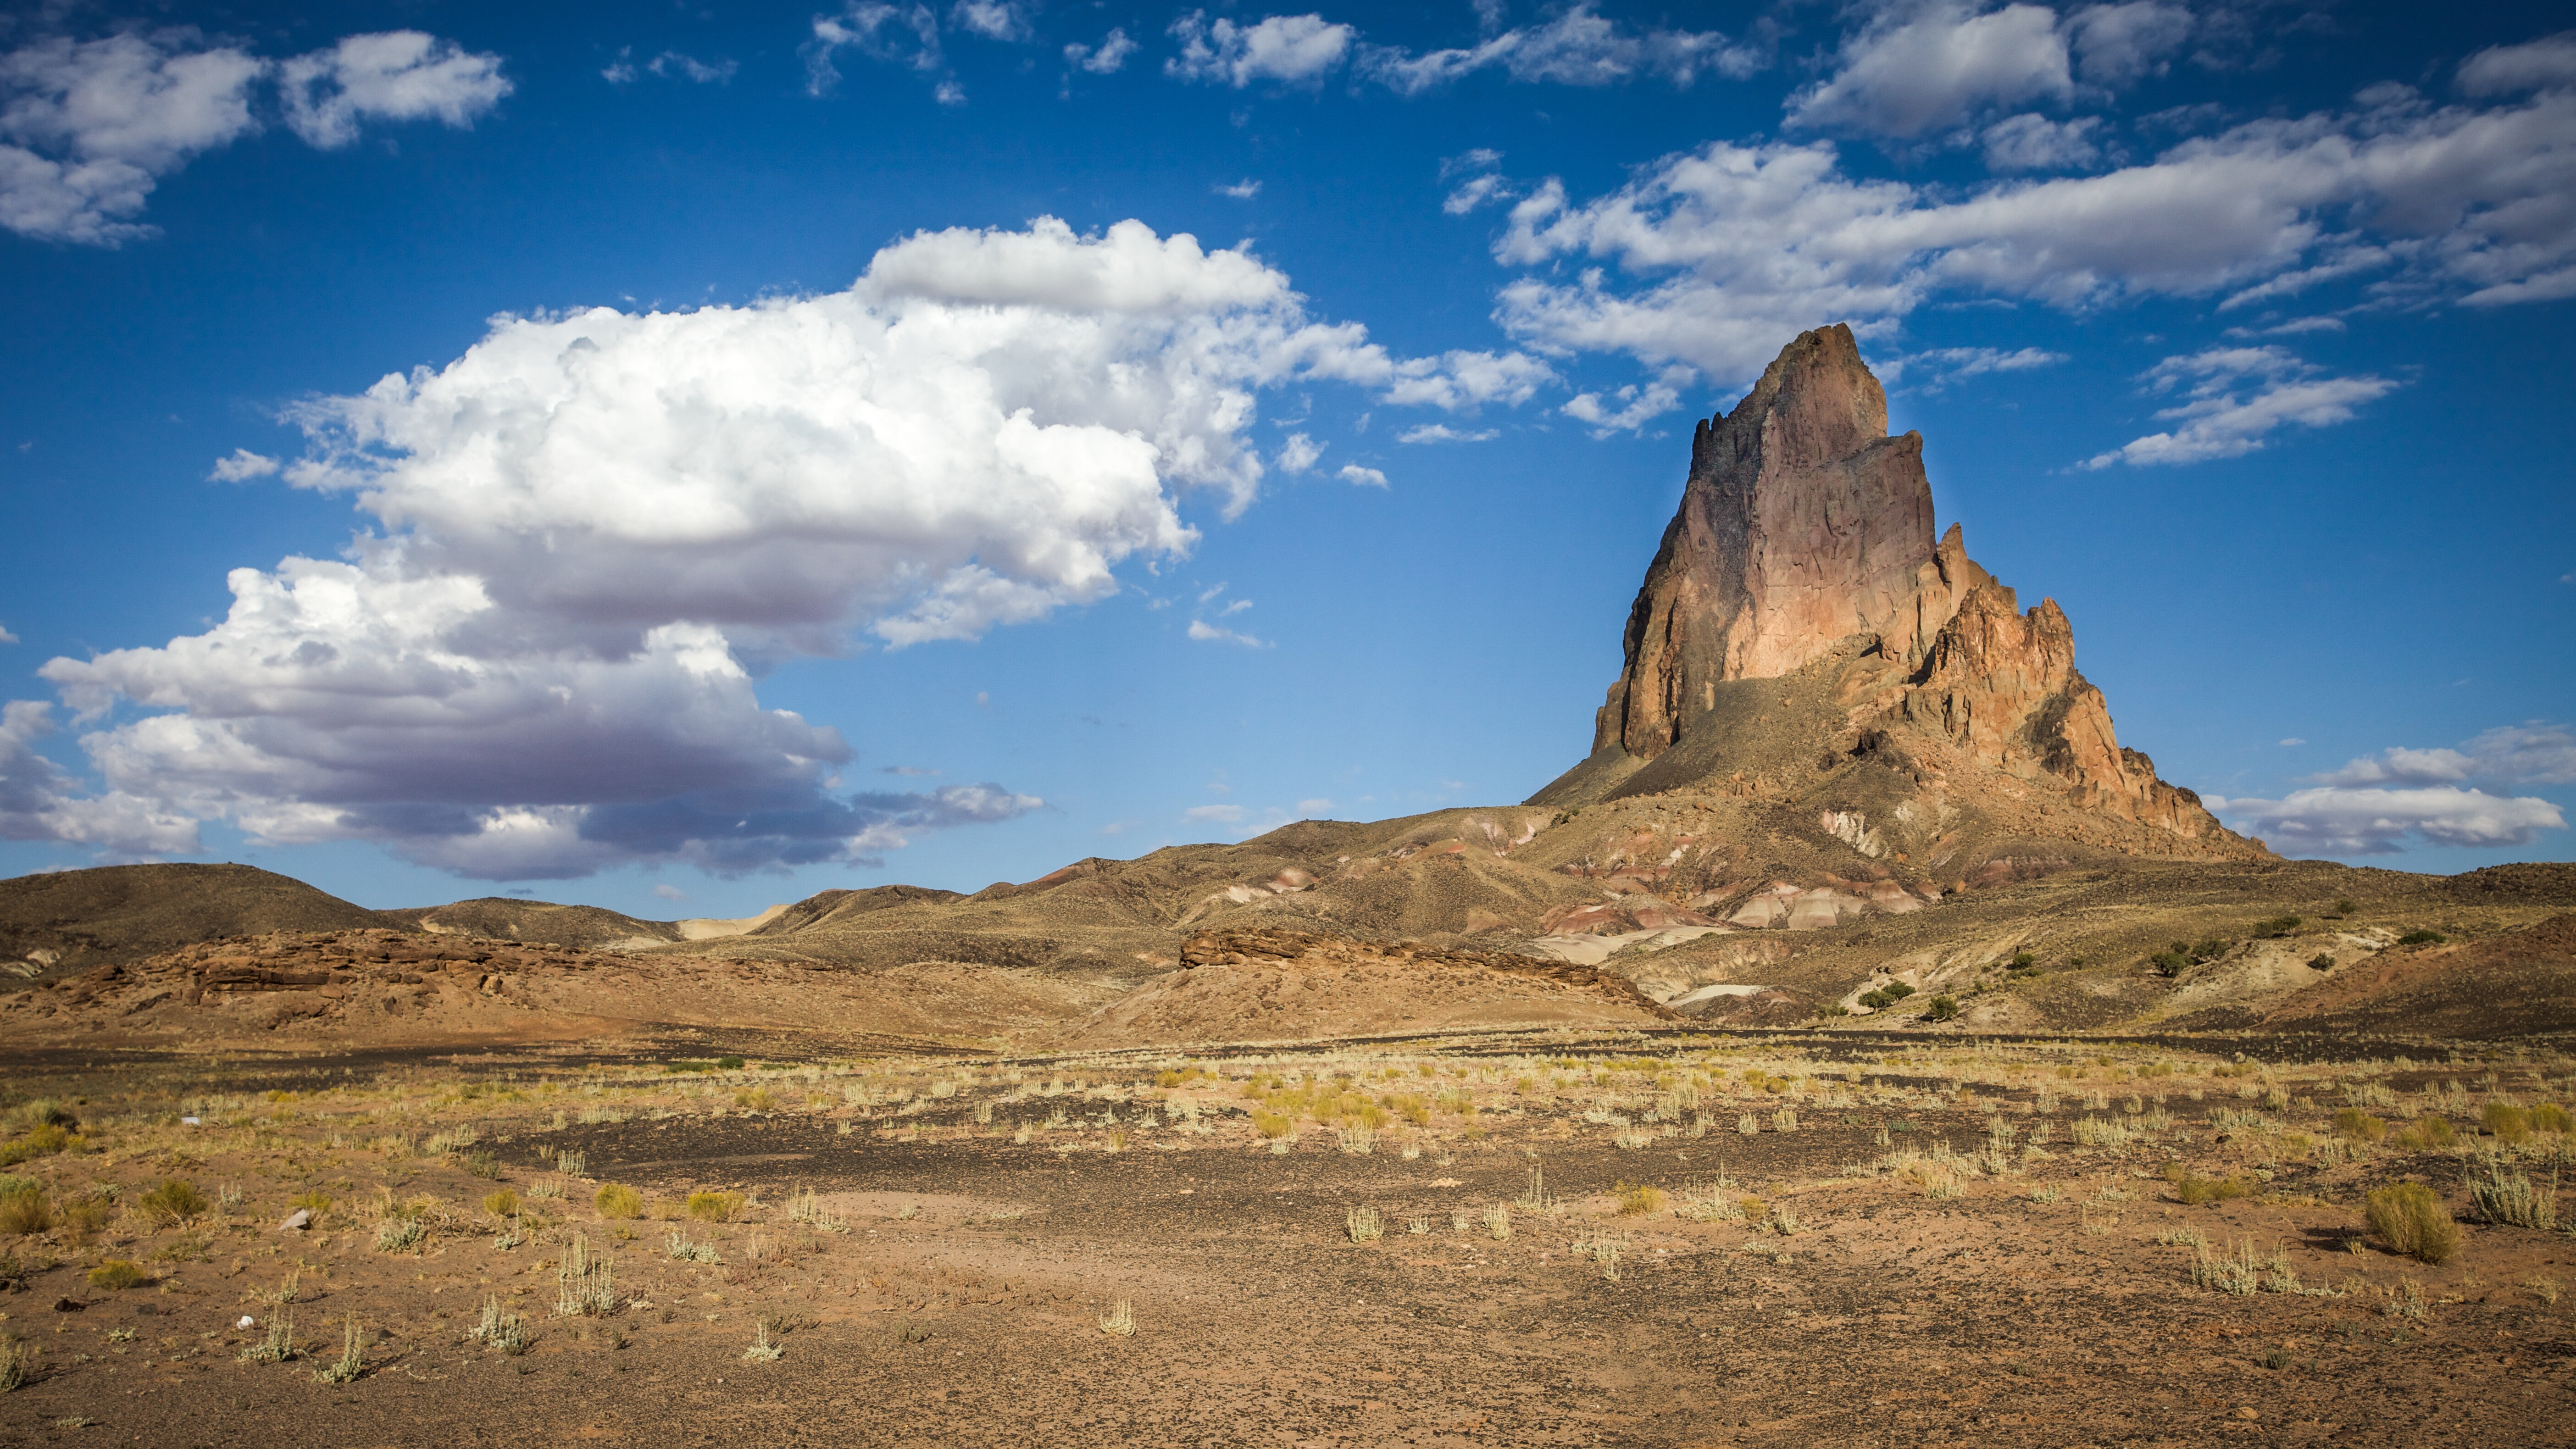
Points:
(1637, 1199)
(2513, 1200)
(2550, 1117)
(2355, 1125)
(2412, 1221)
(172, 1204)
(505, 1332)
(2193, 1191)
(118, 1273)
(711, 1207)
(618, 1202)
(2427, 1133)
(17, 1362)
(2504, 1122)
(1120, 1321)
(24, 1209)
(502, 1204)
(1364, 1225)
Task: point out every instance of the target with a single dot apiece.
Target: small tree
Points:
(1944, 1008)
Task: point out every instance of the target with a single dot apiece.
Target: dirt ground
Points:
(932, 1248)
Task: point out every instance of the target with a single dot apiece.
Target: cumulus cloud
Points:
(40, 801)
(2546, 64)
(594, 530)
(2533, 754)
(904, 35)
(1102, 59)
(1244, 190)
(88, 126)
(1443, 433)
(241, 466)
(400, 75)
(2234, 398)
(1938, 367)
(1577, 47)
(2116, 45)
(1359, 477)
(2336, 821)
(1724, 250)
(1207, 633)
(1004, 20)
(1635, 405)
(669, 892)
(1290, 49)
(1298, 453)
(1918, 69)
(2036, 143)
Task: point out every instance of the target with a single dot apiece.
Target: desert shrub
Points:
(46, 1112)
(118, 1273)
(1874, 1000)
(2550, 1117)
(25, 1210)
(2514, 1200)
(2193, 1191)
(728, 1064)
(2346, 906)
(2355, 1125)
(1273, 1124)
(174, 1201)
(1944, 1008)
(1637, 1198)
(2412, 1221)
(43, 1140)
(2277, 927)
(1897, 990)
(2422, 938)
(2170, 963)
(501, 1204)
(714, 1207)
(616, 1201)
(2428, 1133)
(316, 1202)
(1167, 1078)
(2322, 961)
(401, 1235)
(83, 1217)
(2505, 1123)
(483, 1165)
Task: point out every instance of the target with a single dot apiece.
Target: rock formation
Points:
(1804, 546)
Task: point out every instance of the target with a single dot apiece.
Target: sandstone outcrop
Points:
(1804, 550)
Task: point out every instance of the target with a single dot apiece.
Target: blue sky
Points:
(684, 459)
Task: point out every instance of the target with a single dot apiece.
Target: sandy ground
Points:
(947, 1280)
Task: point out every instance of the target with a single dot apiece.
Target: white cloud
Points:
(1443, 433)
(1222, 814)
(1474, 192)
(904, 35)
(672, 62)
(1298, 453)
(594, 529)
(1733, 247)
(1102, 59)
(398, 75)
(2291, 741)
(2118, 44)
(2533, 754)
(1243, 190)
(2335, 821)
(1237, 607)
(1003, 20)
(1918, 69)
(2221, 419)
(242, 465)
(2545, 64)
(6, 637)
(1578, 47)
(87, 126)
(2036, 143)
(1359, 477)
(1456, 380)
(1314, 808)
(1207, 633)
(1947, 365)
(1285, 48)
(669, 892)
(38, 801)
(1637, 405)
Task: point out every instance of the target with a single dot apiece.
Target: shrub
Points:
(2277, 927)
(173, 1202)
(1874, 1000)
(1897, 990)
(615, 1201)
(1167, 1079)
(118, 1273)
(2513, 1200)
(2170, 963)
(316, 1202)
(2550, 1117)
(2507, 1124)
(84, 1216)
(483, 1165)
(24, 1210)
(2428, 1133)
(44, 1140)
(501, 1204)
(2322, 961)
(2422, 938)
(1944, 1008)
(728, 1064)
(2413, 1222)
(2355, 1125)
(401, 1235)
(714, 1207)
(2346, 907)
(1637, 1198)
(1273, 1124)
(2193, 1191)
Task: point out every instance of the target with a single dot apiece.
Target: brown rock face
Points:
(1804, 528)
(1803, 524)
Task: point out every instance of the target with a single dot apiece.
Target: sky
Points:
(680, 459)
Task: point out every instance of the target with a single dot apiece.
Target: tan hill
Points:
(1802, 638)
(508, 918)
(72, 920)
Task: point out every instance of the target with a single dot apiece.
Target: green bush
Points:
(2550, 1117)
(1897, 990)
(2346, 907)
(2428, 1134)
(2412, 1221)
(615, 1201)
(2422, 938)
(483, 1165)
(714, 1207)
(172, 1203)
(1943, 1008)
(2355, 1125)
(2193, 1191)
(118, 1273)
(2321, 961)
(2277, 927)
(729, 1064)
(25, 1210)
(2506, 1124)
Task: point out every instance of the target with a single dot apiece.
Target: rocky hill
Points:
(1801, 635)
(69, 921)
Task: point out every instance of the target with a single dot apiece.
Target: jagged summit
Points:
(1800, 617)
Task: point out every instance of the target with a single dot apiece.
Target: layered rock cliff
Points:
(1804, 552)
